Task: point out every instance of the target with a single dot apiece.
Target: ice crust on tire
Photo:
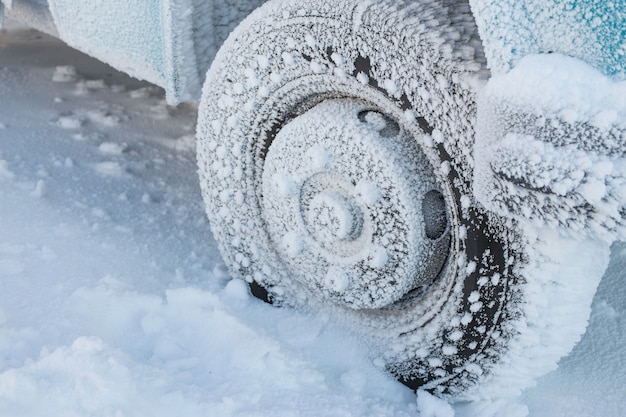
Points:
(484, 316)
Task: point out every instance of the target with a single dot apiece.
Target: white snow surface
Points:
(115, 301)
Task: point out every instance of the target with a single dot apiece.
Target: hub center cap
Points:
(332, 217)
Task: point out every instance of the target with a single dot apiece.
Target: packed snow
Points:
(115, 299)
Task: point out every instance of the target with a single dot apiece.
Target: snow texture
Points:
(551, 147)
(467, 334)
(593, 31)
(115, 301)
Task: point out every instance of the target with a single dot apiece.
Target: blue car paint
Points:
(593, 31)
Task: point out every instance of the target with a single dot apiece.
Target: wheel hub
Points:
(352, 205)
(331, 217)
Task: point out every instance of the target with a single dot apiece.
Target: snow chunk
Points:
(337, 59)
(445, 167)
(40, 189)
(431, 406)
(437, 136)
(143, 92)
(465, 201)
(69, 122)
(288, 58)
(237, 289)
(64, 74)
(391, 87)
(109, 168)
(455, 336)
(104, 117)
(375, 120)
(111, 148)
(87, 86)
(317, 67)
(362, 78)
(310, 40)
(5, 172)
(185, 143)
(449, 350)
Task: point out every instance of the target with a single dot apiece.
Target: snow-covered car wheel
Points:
(335, 146)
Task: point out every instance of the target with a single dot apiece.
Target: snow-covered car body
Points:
(170, 43)
(143, 38)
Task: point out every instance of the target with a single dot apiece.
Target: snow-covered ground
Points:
(114, 300)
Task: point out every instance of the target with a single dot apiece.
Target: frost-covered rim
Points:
(346, 195)
(317, 89)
